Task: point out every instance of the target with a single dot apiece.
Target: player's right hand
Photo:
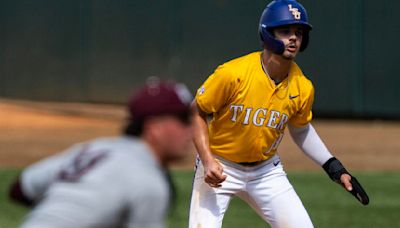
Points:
(213, 173)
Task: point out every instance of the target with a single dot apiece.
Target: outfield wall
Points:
(97, 50)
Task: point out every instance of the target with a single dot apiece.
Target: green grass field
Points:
(327, 204)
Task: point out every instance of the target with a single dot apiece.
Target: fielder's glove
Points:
(335, 169)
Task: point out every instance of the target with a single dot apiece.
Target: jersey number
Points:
(275, 145)
(81, 164)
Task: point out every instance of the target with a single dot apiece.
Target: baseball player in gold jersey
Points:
(252, 99)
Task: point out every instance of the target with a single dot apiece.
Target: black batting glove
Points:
(334, 168)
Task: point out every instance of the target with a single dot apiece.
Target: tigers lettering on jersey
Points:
(276, 120)
(250, 112)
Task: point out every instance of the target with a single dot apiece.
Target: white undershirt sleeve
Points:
(310, 143)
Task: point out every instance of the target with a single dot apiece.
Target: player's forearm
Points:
(201, 137)
(310, 143)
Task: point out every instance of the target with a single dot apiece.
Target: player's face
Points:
(176, 137)
(291, 36)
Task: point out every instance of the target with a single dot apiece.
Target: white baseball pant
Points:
(264, 187)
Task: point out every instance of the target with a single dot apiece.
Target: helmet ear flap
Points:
(269, 42)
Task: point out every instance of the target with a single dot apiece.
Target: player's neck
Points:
(276, 66)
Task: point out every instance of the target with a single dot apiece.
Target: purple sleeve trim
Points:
(16, 193)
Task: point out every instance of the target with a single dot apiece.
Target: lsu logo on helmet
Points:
(295, 12)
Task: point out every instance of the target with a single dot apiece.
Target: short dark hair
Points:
(134, 128)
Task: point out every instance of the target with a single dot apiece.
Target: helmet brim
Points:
(289, 22)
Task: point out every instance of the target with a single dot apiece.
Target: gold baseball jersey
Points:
(249, 111)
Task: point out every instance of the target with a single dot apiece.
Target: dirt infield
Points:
(32, 130)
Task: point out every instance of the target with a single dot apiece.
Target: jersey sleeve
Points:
(216, 90)
(304, 114)
(36, 178)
